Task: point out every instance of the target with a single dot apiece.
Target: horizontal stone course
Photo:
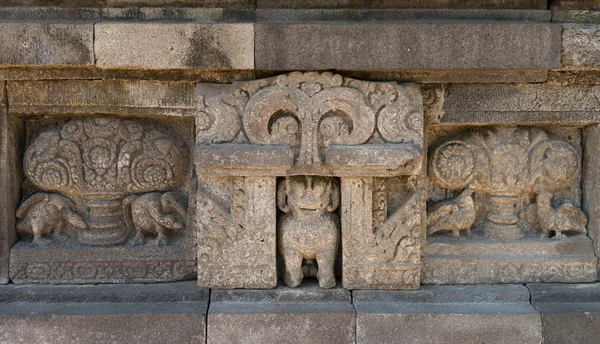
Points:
(407, 46)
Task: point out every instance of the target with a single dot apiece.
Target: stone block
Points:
(372, 46)
(306, 314)
(496, 4)
(580, 45)
(570, 313)
(172, 45)
(46, 44)
(11, 146)
(117, 97)
(179, 2)
(447, 314)
(79, 314)
(452, 76)
(49, 13)
(513, 104)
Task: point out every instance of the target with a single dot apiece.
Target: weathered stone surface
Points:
(11, 135)
(128, 314)
(575, 16)
(536, 4)
(179, 2)
(236, 242)
(481, 260)
(358, 46)
(591, 182)
(580, 45)
(364, 14)
(304, 315)
(540, 166)
(311, 124)
(155, 46)
(513, 104)
(43, 13)
(443, 314)
(117, 97)
(570, 313)
(104, 181)
(575, 4)
(46, 44)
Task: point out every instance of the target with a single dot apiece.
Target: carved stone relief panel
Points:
(317, 133)
(105, 200)
(510, 197)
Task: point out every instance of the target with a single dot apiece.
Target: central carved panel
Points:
(332, 139)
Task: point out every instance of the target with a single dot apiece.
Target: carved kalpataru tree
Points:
(505, 162)
(98, 161)
(308, 124)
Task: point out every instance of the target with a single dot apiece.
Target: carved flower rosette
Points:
(101, 160)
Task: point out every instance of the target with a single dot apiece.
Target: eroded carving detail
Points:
(308, 229)
(97, 162)
(456, 215)
(154, 213)
(47, 214)
(505, 164)
(310, 112)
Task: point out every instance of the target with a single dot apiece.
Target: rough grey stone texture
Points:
(519, 104)
(363, 14)
(179, 2)
(575, 16)
(360, 46)
(591, 182)
(43, 13)
(179, 14)
(570, 313)
(306, 314)
(580, 45)
(535, 4)
(100, 314)
(108, 96)
(46, 44)
(481, 260)
(447, 314)
(170, 45)
(11, 149)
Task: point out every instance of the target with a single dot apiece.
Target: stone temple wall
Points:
(274, 171)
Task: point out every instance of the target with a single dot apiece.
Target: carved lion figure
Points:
(45, 213)
(153, 213)
(308, 229)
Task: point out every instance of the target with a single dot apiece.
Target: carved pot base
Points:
(103, 237)
(502, 232)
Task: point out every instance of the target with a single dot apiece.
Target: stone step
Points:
(182, 313)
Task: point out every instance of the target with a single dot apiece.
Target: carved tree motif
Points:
(100, 161)
(310, 112)
(505, 162)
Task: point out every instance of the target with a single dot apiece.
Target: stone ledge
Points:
(102, 96)
(570, 312)
(447, 314)
(519, 104)
(307, 314)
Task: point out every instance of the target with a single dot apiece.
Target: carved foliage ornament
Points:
(310, 112)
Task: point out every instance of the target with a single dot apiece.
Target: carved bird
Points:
(455, 215)
(566, 218)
